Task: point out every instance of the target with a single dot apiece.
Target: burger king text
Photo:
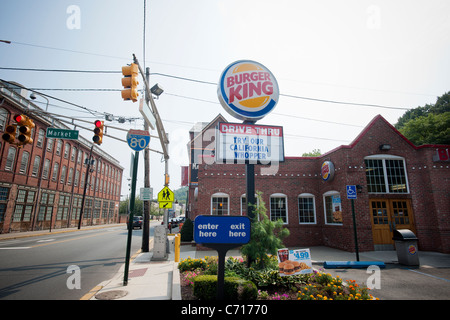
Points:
(248, 84)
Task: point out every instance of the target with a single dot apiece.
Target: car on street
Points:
(138, 221)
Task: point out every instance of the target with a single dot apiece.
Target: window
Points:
(40, 138)
(46, 169)
(63, 174)
(24, 163)
(306, 208)
(219, 204)
(69, 179)
(278, 207)
(24, 205)
(72, 154)
(66, 151)
(63, 207)
(55, 171)
(46, 207)
(58, 147)
(386, 174)
(3, 201)
(244, 204)
(36, 165)
(10, 159)
(3, 117)
(332, 207)
(50, 144)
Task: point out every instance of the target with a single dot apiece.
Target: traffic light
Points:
(130, 82)
(26, 126)
(98, 131)
(10, 133)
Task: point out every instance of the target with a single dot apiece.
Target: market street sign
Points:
(62, 133)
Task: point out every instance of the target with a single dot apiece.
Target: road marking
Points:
(67, 240)
(426, 274)
(46, 240)
(14, 248)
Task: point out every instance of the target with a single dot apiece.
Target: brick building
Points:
(400, 185)
(42, 184)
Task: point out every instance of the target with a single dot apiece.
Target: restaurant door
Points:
(387, 215)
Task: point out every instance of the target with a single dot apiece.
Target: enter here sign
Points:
(222, 229)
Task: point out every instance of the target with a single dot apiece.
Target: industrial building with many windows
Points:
(399, 186)
(42, 183)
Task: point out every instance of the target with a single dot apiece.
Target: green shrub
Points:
(205, 288)
(187, 231)
(190, 264)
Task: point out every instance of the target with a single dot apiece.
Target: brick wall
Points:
(428, 181)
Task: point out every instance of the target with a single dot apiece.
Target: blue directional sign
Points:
(351, 192)
(138, 140)
(222, 229)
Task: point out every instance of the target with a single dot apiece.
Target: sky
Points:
(385, 56)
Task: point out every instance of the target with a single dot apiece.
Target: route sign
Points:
(351, 192)
(62, 133)
(138, 140)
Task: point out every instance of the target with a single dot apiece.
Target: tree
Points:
(314, 153)
(266, 236)
(429, 124)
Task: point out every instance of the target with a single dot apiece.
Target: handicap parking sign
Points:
(351, 192)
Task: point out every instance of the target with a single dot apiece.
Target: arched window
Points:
(24, 163)
(386, 174)
(332, 207)
(220, 204)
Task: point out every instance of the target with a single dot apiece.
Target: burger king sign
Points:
(248, 90)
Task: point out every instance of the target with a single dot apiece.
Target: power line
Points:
(210, 83)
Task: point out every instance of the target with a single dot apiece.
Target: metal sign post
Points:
(130, 220)
(222, 233)
(352, 195)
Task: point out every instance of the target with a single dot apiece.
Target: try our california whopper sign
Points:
(248, 90)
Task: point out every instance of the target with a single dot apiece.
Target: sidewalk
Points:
(160, 280)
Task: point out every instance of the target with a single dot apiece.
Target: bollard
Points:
(177, 247)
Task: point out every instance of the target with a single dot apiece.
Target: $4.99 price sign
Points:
(138, 140)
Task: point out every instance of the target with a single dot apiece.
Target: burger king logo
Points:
(327, 171)
(247, 90)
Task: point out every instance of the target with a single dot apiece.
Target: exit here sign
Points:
(222, 229)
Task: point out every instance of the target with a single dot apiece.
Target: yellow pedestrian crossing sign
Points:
(166, 195)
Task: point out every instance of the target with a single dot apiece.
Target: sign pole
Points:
(352, 195)
(130, 221)
(354, 229)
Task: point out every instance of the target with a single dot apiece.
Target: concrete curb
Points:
(176, 285)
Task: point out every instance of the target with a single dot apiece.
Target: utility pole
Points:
(85, 187)
(146, 231)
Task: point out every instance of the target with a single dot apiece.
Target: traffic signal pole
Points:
(163, 137)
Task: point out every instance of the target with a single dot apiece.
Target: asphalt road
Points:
(62, 266)
(398, 282)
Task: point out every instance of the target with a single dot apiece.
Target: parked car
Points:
(138, 221)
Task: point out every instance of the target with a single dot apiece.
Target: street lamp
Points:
(33, 97)
(157, 90)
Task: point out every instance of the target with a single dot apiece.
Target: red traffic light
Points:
(98, 123)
